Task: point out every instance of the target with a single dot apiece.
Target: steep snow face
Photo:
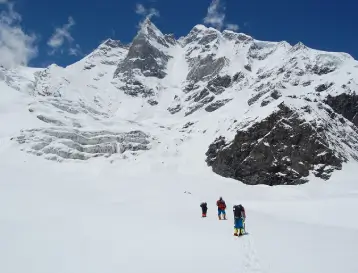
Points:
(205, 85)
(110, 52)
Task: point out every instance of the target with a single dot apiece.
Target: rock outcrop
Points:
(281, 149)
(346, 105)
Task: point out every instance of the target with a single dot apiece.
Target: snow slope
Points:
(127, 171)
(97, 217)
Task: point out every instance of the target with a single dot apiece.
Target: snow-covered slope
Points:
(144, 216)
(207, 85)
(138, 135)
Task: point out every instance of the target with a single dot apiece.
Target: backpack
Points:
(221, 204)
(238, 211)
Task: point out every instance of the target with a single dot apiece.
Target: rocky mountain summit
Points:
(263, 112)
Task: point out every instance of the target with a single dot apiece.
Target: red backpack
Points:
(221, 204)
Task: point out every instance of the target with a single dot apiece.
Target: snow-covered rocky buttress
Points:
(260, 112)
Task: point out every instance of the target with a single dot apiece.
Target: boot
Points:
(219, 217)
(235, 232)
(224, 216)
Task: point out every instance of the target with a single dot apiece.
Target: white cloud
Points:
(232, 27)
(75, 51)
(216, 15)
(16, 46)
(60, 36)
(140, 9)
(148, 13)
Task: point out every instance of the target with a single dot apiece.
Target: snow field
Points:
(97, 217)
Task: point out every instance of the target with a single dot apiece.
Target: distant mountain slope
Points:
(264, 112)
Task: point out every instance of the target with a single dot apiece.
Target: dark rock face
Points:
(170, 39)
(152, 102)
(208, 99)
(239, 37)
(238, 77)
(346, 105)
(322, 70)
(188, 124)
(135, 88)
(207, 39)
(199, 105)
(207, 67)
(219, 83)
(323, 87)
(276, 94)
(217, 90)
(145, 57)
(202, 95)
(279, 150)
(174, 110)
(216, 105)
(256, 97)
(248, 67)
(223, 81)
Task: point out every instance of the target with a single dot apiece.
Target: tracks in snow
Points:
(250, 262)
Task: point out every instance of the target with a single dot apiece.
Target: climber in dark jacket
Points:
(239, 218)
(204, 209)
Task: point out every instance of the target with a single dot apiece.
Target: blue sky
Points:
(82, 24)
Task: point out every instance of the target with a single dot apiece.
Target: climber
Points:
(239, 220)
(204, 209)
(221, 208)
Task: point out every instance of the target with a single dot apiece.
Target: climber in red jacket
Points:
(221, 208)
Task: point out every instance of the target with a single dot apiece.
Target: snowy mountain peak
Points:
(233, 94)
(200, 32)
(113, 43)
(152, 34)
(148, 28)
(110, 52)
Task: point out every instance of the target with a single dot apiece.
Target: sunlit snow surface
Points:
(136, 217)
